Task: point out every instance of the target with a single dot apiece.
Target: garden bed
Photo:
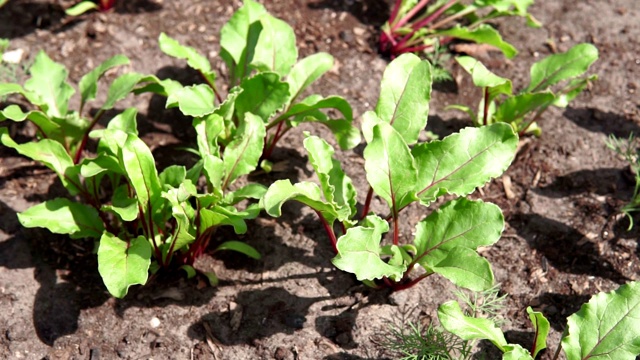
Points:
(564, 240)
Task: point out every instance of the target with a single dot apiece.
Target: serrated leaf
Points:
(541, 327)
(465, 268)
(469, 328)
(307, 71)
(564, 66)
(240, 247)
(276, 48)
(242, 155)
(197, 100)
(461, 162)
(391, 170)
(606, 326)
(63, 216)
(194, 59)
(49, 82)
(88, 84)
(262, 95)
(122, 264)
(405, 92)
(51, 154)
(359, 252)
(482, 34)
(140, 167)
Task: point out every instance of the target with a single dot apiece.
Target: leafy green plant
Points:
(265, 78)
(554, 81)
(88, 5)
(415, 27)
(607, 327)
(628, 149)
(445, 241)
(144, 220)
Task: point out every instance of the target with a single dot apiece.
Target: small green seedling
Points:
(606, 327)
(265, 79)
(445, 241)
(414, 27)
(628, 149)
(555, 81)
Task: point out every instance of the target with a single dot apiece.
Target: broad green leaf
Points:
(191, 272)
(369, 120)
(141, 170)
(51, 154)
(63, 216)
(10, 88)
(172, 176)
(391, 170)
(208, 129)
(483, 34)
(461, 162)
(337, 187)
(123, 85)
(44, 124)
(123, 263)
(606, 327)
(230, 216)
(241, 248)
(213, 168)
(482, 77)
(276, 48)
(194, 59)
(196, 100)
(88, 84)
(182, 212)
(458, 223)
(541, 327)
(465, 268)
(359, 252)
(263, 95)
(405, 92)
(514, 109)
(469, 328)
(125, 121)
(305, 192)
(49, 82)
(123, 205)
(564, 66)
(81, 8)
(111, 140)
(238, 38)
(307, 71)
(316, 102)
(242, 155)
(103, 163)
(516, 352)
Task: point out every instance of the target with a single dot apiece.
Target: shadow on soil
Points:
(368, 12)
(605, 122)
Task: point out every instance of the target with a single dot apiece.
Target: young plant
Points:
(88, 5)
(628, 149)
(265, 79)
(445, 241)
(555, 81)
(414, 27)
(607, 327)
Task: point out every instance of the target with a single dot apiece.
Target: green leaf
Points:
(276, 48)
(482, 77)
(337, 187)
(541, 327)
(141, 171)
(359, 252)
(122, 205)
(125, 121)
(241, 248)
(194, 59)
(208, 129)
(391, 170)
(465, 268)
(196, 100)
(515, 108)
(469, 328)
(347, 135)
(571, 90)
(263, 95)
(516, 352)
(122, 264)
(242, 155)
(563, 66)
(44, 124)
(88, 84)
(81, 8)
(213, 168)
(49, 82)
(405, 92)
(103, 163)
(51, 154)
(461, 162)
(317, 102)
(307, 71)
(482, 34)
(182, 212)
(606, 326)
(63, 216)
(249, 191)
(191, 272)
(123, 85)
(172, 176)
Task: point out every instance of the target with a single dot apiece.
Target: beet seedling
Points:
(445, 241)
(416, 26)
(555, 81)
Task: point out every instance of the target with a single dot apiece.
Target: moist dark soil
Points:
(564, 238)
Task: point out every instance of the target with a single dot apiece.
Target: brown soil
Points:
(563, 241)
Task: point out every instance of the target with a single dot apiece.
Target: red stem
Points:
(274, 140)
(406, 285)
(485, 112)
(367, 203)
(329, 231)
(410, 14)
(394, 12)
(433, 16)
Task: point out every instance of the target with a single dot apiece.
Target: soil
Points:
(564, 239)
